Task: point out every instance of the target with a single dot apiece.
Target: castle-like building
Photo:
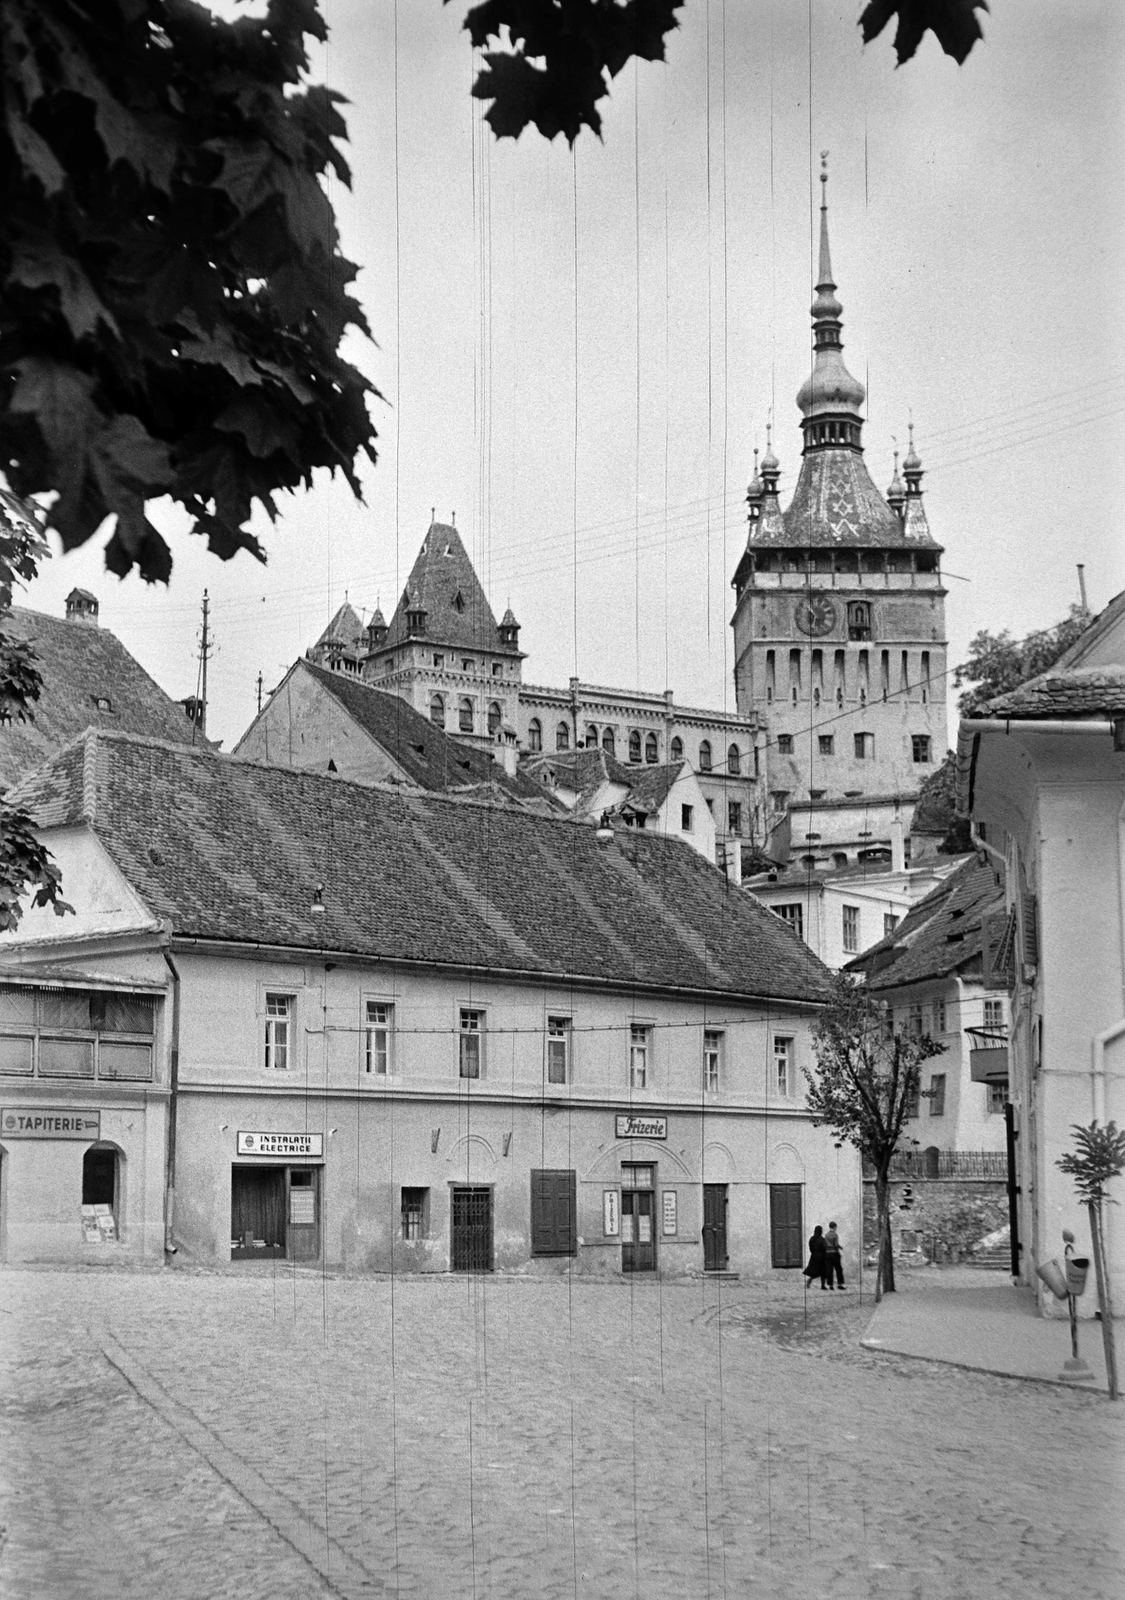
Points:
(839, 635)
(839, 622)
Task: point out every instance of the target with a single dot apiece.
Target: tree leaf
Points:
(129, 464)
(955, 24)
(136, 543)
(263, 429)
(40, 263)
(38, 159)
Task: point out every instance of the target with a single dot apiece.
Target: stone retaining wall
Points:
(939, 1219)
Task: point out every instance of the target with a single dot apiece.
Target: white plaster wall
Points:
(305, 727)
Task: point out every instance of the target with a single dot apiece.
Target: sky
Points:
(578, 352)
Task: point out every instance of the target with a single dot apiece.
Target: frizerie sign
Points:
(633, 1126)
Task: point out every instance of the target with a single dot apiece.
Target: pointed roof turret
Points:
(829, 391)
(915, 524)
(444, 585)
(896, 494)
(754, 493)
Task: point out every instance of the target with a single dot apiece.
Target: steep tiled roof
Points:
(1104, 638)
(230, 850)
(82, 664)
(1077, 692)
(345, 627)
(835, 502)
(428, 756)
(649, 786)
(444, 581)
(585, 771)
(939, 935)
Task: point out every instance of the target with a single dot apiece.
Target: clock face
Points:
(815, 614)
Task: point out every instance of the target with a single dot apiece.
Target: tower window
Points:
(859, 619)
(785, 744)
(465, 715)
(495, 716)
(437, 710)
(734, 760)
(864, 746)
(826, 743)
(920, 747)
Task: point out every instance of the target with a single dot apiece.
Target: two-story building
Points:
(1041, 775)
(389, 1029)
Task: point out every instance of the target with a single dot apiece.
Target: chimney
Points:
(82, 606)
(898, 846)
(507, 756)
(734, 862)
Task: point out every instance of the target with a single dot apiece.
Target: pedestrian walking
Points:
(816, 1267)
(833, 1265)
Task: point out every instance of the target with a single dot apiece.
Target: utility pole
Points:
(200, 719)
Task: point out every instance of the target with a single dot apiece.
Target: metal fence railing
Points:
(934, 1163)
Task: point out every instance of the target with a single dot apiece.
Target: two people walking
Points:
(824, 1258)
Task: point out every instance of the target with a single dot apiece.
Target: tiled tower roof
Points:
(443, 584)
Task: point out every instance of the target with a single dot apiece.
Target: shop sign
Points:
(668, 1202)
(291, 1146)
(611, 1213)
(49, 1122)
(640, 1127)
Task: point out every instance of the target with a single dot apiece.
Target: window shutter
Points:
(1029, 942)
(554, 1221)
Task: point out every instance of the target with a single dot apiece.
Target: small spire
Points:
(912, 464)
(896, 494)
(771, 466)
(825, 278)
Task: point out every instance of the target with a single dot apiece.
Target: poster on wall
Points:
(668, 1210)
(611, 1213)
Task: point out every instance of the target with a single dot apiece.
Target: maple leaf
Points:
(954, 23)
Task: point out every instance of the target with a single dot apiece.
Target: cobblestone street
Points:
(281, 1434)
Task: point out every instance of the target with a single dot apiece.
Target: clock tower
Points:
(839, 622)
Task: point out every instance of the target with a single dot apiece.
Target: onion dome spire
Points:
(830, 398)
(754, 493)
(896, 494)
(912, 467)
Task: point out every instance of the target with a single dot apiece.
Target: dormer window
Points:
(103, 702)
(458, 602)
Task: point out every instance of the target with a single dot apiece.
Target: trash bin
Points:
(1076, 1269)
(1054, 1277)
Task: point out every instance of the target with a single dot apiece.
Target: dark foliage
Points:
(998, 663)
(954, 23)
(551, 61)
(936, 810)
(173, 292)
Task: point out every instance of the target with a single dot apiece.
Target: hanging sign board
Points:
(668, 1204)
(630, 1126)
(611, 1213)
(291, 1146)
(49, 1122)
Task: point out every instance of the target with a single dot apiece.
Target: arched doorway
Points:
(101, 1194)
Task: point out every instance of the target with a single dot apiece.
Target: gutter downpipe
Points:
(174, 1089)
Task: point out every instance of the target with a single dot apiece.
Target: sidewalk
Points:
(982, 1320)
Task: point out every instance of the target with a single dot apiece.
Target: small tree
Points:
(997, 663)
(864, 1086)
(1100, 1156)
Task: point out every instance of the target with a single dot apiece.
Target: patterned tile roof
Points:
(940, 935)
(444, 580)
(81, 664)
(586, 771)
(230, 850)
(1075, 692)
(836, 503)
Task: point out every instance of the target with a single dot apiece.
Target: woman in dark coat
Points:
(817, 1265)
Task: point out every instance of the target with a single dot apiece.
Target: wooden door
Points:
(714, 1227)
(786, 1232)
(471, 1228)
(638, 1230)
(257, 1212)
(303, 1200)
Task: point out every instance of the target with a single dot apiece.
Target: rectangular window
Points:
(997, 1098)
(937, 1094)
(864, 746)
(415, 1224)
(783, 1064)
(471, 1043)
(634, 1175)
(70, 1034)
(497, 669)
(685, 818)
(890, 923)
(554, 1212)
(558, 1049)
(851, 929)
(377, 1037)
(279, 1014)
(439, 661)
(785, 744)
(994, 1015)
(734, 816)
(638, 1055)
(914, 1020)
(826, 743)
(920, 747)
(794, 915)
(939, 1017)
(912, 1100)
(712, 1060)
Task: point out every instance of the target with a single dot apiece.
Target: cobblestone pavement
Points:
(277, 1433)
